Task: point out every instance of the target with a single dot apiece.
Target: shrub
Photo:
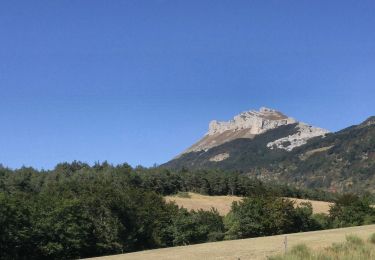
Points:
(215, 236)
(321, 220)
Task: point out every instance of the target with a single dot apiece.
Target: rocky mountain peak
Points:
(255, 121)
(250, 123)
(369, 121)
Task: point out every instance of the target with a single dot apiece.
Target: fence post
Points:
(285, 244)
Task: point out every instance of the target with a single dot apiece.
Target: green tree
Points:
(351, 210)
(197, 227)
(262, 216)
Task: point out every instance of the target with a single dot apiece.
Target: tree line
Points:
(77, 210)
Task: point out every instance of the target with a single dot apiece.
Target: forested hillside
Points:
(343, 161)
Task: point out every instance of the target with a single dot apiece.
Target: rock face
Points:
(256, 122)
(251, 123)
(369, 121)
(305, 132)
(219, 157)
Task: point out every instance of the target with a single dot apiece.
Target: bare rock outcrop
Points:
(250, 123)
(305, 132)
(256, 122)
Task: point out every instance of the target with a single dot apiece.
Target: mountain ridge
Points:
(341, 161)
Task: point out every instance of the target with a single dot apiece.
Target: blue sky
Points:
(138, 81)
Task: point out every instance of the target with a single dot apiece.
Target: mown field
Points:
(252, 248)
(223, 203)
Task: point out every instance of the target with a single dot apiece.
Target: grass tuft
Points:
(354, 240)
(301, 250)
(372, 238)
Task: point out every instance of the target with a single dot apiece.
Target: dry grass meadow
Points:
(223, 203)
(198, 201)
(252, 248)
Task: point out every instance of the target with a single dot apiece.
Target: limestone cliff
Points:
(251, 123)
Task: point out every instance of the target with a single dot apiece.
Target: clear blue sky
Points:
(138, 81)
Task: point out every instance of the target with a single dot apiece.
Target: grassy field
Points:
(198, 201)
(223, 203)
(353, 248)
(252, 248)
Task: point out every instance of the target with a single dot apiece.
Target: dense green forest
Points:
(77, 210)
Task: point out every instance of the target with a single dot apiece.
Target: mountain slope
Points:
(242, 153)
(343, 161)
(251, 138)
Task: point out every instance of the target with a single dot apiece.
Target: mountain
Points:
(252, 123)
(270, 146)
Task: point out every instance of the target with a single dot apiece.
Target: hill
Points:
(252, 248)
(343, 161)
